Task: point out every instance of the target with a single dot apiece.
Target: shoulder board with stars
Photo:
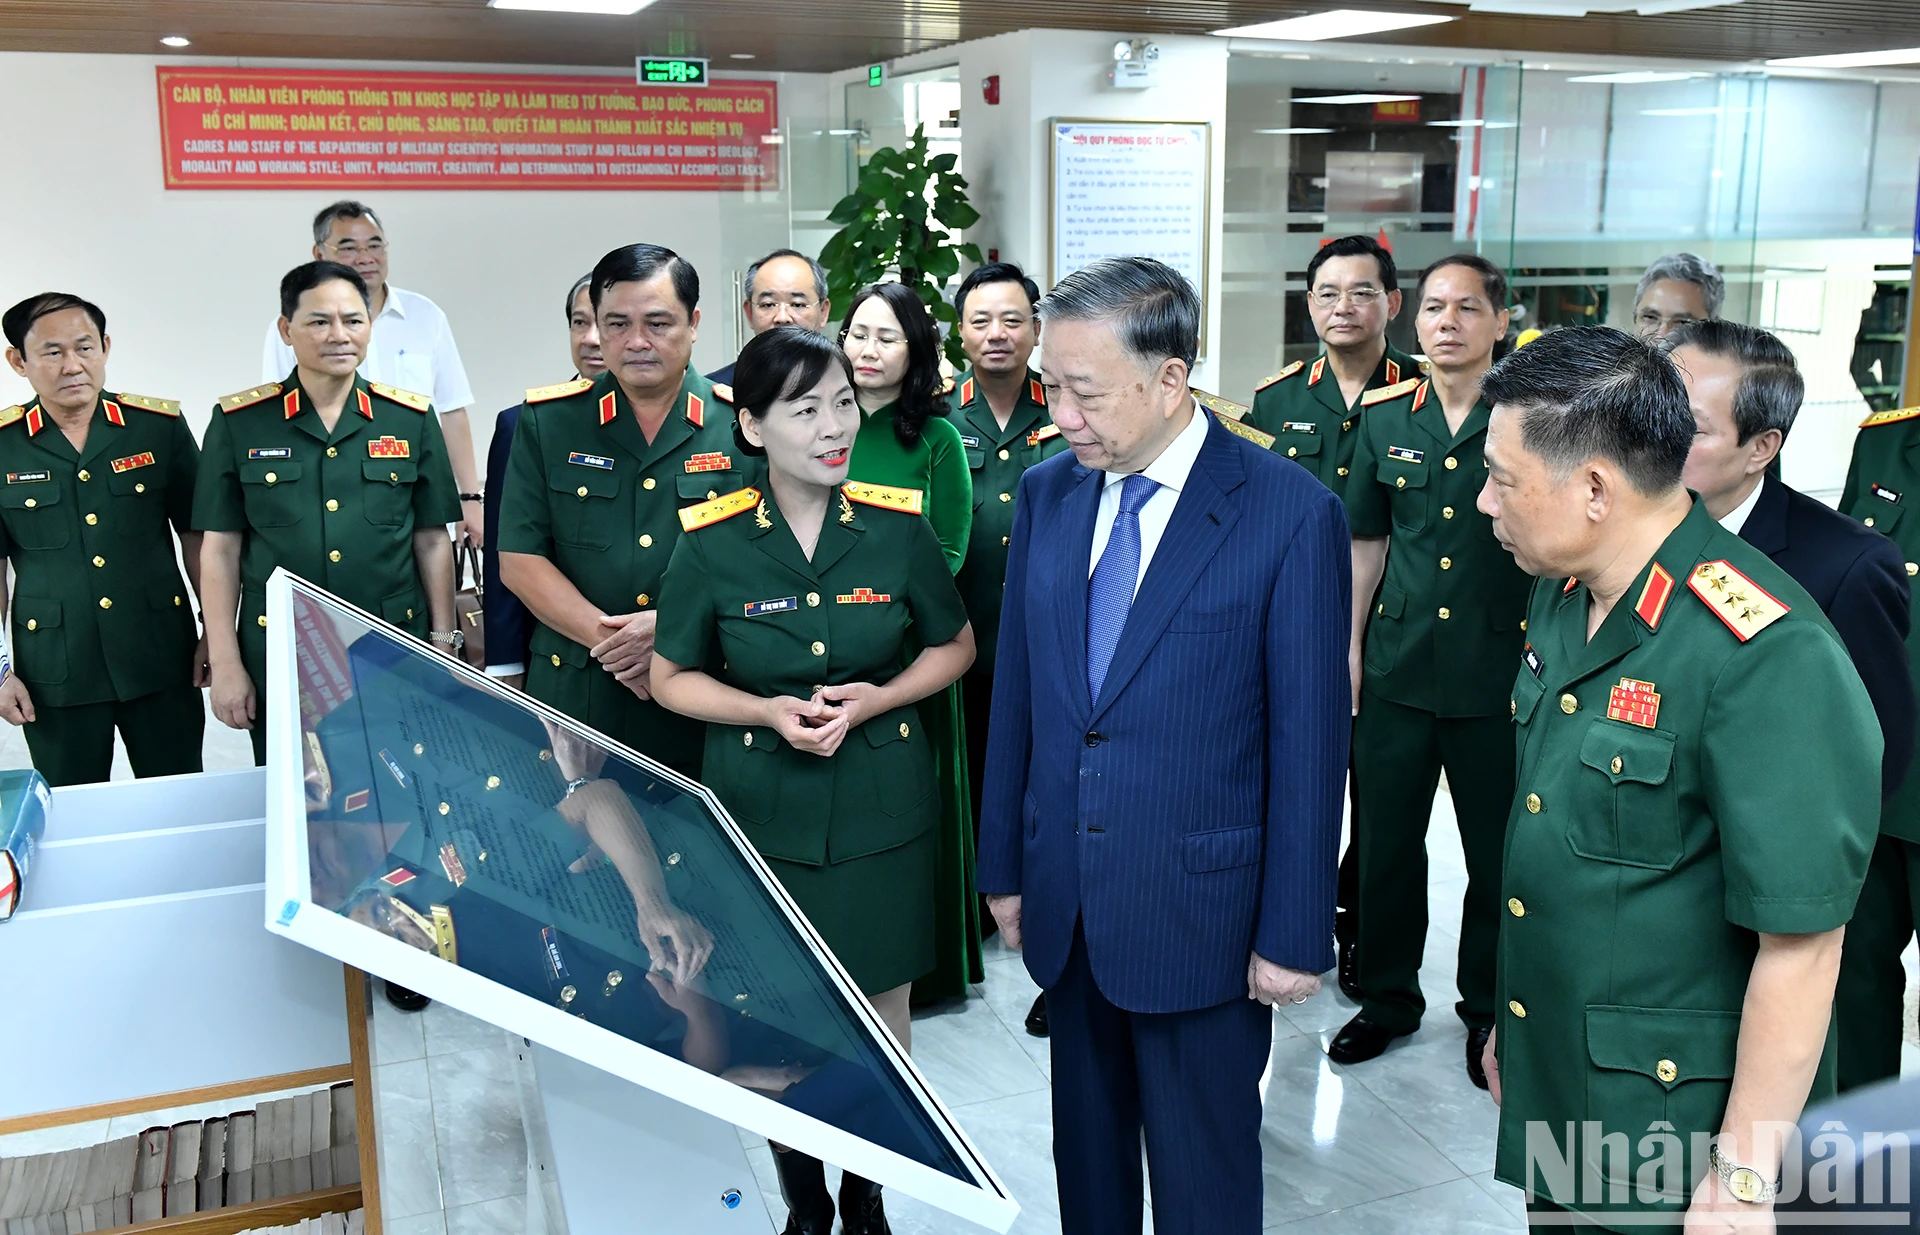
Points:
(887, 497)
(247, 398)
(1892, 416)
(1383, 393)
(165, 407)
(1263, 440)
(1219, 406)
(546, 394)
(1281, 376)
(11, 415)
(1742, 604)
(706, 514)
(723, 392)
(405, 398)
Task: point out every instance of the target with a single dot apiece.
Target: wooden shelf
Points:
(280, 1211)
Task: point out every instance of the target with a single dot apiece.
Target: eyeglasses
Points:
(799, 304)
(1359, 297)
(885, 338)
(376, 248)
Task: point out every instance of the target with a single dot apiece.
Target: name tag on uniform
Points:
(1885, 494)
(550, 944)
(21, 478)
(971, 443)
(586, 460)
(864, 596)
(760, 608)
(393, 766)
(1299, 426)
(387, 448)
(1406, 455)
(270, 452)
(710, 463)
(1533, 660)
(1634, 702)
(143, 459)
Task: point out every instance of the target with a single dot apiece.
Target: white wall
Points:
(189, 279)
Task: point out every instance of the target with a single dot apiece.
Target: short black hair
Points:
(573, 294)
(918, 402)
(1356, 246)
(636, 263)
(996, 272)
(304, 278)
(1153, 308)
(1593, 391)
(1492, 278)
(819, 271)
(323, 222)
(21, 317)
(781, 363)
(1771, 388)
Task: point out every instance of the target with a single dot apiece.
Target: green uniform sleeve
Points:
(932, 599)
(1369, 512)
(183, 467)
(687, 622)
(1851, 493)
(435, 497)
(1795, 833)
(218, 505)
(950, 504)
(526, 521)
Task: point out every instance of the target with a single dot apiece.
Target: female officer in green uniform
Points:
(814, 743)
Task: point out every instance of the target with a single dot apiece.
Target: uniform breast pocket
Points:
(35, 516)
(1301, 446)
(583, 506)
(1877, 512)
(1627, 808)
(388, 496)
(1409, 499)
(705, 486)
(271, 490)
(1527, 690)
(148, 483)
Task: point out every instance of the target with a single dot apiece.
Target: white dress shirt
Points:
(1171, 470)
(412, 347)
(1737, 517)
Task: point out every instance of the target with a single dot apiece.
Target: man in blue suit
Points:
(508, 625)
(1161, 818)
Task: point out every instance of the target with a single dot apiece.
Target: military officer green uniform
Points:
(338, 508)
(103, 627)
(1310, 419)
(1444, 629)
(1870, 1001)
(1666, 810)
(587, 491)
(851, 836)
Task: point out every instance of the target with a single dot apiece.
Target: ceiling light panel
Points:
(604, 8)
(1333, 24)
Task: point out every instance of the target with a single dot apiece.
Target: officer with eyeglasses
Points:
(784, 288)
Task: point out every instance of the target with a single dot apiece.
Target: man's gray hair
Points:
(1154, 310)
(1687, 268)
(819, 271)
(323, 222)
(1771, 388)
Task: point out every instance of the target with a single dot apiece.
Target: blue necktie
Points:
(1115, 578)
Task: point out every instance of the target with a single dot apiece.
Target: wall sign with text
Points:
(250, 128)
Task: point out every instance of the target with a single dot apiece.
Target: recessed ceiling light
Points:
(1471, 124)
(610, 8)
(1851, 60)
(1334, 99)
(1283, 132)
(1334, 24)
(740, 55)
(1682, 111)
(1642, 77)
(177, 40)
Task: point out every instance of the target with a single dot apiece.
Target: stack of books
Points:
(354, 1223)
(306, 1143)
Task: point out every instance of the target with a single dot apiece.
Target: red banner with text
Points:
(246, 128)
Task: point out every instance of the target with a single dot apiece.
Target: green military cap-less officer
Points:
(103, 626)
(1302, 407)
(587, 491)
(1660, 820)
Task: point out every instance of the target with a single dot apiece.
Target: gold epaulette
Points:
(1742, 604)
(247, 398)
(1263, 440)
(1223, 407)
(1891, 416)
(693, 518)
(1281, 376)
(166, 407)
(1383, 393)
(405, 398)
(544, 394)
(723, 392)
(887, 497)
(11, 414)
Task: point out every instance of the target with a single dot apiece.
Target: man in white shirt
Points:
(412, 345)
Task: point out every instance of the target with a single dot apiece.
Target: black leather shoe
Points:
(1350, 972)
(1037, 1016)
(1359, 1041)
(803, 1186)
(1476, 1054)
(404, 999)
(861, 1212)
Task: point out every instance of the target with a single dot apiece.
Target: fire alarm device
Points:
(990, 90)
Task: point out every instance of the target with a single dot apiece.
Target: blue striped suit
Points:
(1187, 818)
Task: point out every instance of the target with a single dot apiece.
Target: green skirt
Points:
(956, 907)
(876, 913)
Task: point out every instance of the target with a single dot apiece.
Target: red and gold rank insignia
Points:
(358, 799)
(397, 878)
(711, 462)
(1634, 702)
(450, 862)
(864, 596)
(388, 448)
(1042, 434)
(143, 459)
(1745, 606)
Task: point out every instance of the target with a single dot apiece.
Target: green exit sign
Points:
(877, 75)
(671, 71)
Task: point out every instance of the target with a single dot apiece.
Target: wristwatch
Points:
(449, 638)
(471, 497)
(1743, 1182)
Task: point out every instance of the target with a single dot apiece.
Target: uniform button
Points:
(32, 502)
(1666, 1071)
(712, 493)
(1005, 541)
(262, 619)
(272, 476)
(333, 555)
(903, 729)
(106, 602)
(1345, 425)
(394, 477)
(647, 484)
(1006, 497)
(1400, 482)
(1515, 908)
(139, 488)
(556, 662)
(409, 615)
(1913, 568)
(1446, 512)
(1445, 613)
(1869, 520)
(445, 809)
(1523, 626)
(99, 561)
(1616, 765)
(1293, 452)
(1513, 707)
(1569, 704)
(332, 453)
(581, 491)
(1452, 463)
(1380, 608)
(333, 503)
(176, 602)
(493, 782)
(33, 624)
(92, 519)
(1446, 563)
(1005, 455)
(813, 600)
(1093, 739)
(1533, 803)
(746, 739)
(1517, 1008)
(419, 748)
(643, 598)
(819, 648)
(85, 475)
(1341, 470)
(646, 542)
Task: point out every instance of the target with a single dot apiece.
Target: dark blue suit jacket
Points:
(1859, 580)
(508, 624)
(1192, 815)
